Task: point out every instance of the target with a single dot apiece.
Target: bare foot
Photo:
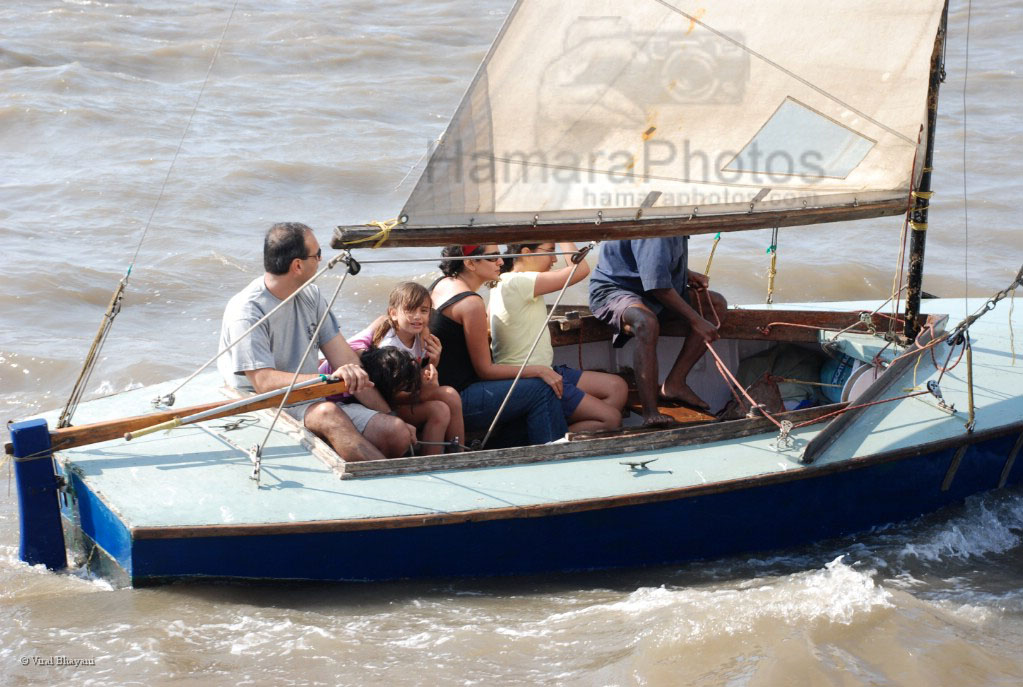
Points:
(657, 420)
(684, 395)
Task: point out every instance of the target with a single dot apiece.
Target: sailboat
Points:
(590, 120)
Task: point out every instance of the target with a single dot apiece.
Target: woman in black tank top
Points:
(455, 368)
(533, 413)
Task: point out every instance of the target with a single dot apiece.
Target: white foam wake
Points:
(838, 593)
(989, 525)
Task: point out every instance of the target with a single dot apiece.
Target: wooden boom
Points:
(363, 236)
(70, 437)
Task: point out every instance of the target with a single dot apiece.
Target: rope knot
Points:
(381, 236)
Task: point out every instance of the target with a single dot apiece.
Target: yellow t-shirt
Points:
(516, 316)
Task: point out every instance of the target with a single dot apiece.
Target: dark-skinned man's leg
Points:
(642, 323)
(675, 386)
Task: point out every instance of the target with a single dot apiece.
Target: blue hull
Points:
(718, 520)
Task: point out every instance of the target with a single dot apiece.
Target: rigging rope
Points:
(988, 306)
(971, 419)
(722, 368)
(786, 426)
(89, 364)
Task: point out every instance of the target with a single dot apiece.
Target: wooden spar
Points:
(611, 229)
(70, 437)
(918, 215)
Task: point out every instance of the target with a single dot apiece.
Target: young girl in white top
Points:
(438, 411)
(589, 400)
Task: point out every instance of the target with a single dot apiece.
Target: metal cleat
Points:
(935, 390)
(638, 465)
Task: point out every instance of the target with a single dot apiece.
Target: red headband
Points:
(467, 250)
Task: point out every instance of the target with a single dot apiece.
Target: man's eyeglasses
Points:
(318, 254)
(491, 257)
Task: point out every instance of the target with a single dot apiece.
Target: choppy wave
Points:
(989, 525)
(837, 593)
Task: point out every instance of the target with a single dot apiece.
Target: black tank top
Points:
(455, 367)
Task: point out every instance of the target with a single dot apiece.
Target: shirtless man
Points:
(640, 283)
(267, 358)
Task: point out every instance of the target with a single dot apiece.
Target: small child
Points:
(438, 410)
(590, 400)
(393, 372)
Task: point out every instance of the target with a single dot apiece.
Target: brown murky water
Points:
(316, 111)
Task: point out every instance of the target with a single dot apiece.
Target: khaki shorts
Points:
(359, 414)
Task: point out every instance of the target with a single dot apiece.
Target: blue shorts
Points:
(571, 395)
(609, 304)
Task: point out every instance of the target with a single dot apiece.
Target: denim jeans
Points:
(533, 407)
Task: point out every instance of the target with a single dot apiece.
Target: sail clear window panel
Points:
(798, 141)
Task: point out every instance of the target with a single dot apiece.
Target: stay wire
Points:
(966, 198)
(89, 364)
(184, 134)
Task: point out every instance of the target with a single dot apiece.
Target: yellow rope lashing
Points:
(772, 271)
(918, 226)
(380, 237)
(713, 248)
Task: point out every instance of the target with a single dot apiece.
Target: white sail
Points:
(667, 108)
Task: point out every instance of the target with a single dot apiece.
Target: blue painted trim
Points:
(42, 535)
(101, 524)
(760, 517)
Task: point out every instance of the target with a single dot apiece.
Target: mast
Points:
(919, 213)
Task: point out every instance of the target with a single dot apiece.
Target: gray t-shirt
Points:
(277, 343)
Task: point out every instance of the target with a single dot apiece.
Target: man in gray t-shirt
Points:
(267, 358)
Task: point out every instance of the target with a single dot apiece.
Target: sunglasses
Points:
(317, 255)
(491, 257)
